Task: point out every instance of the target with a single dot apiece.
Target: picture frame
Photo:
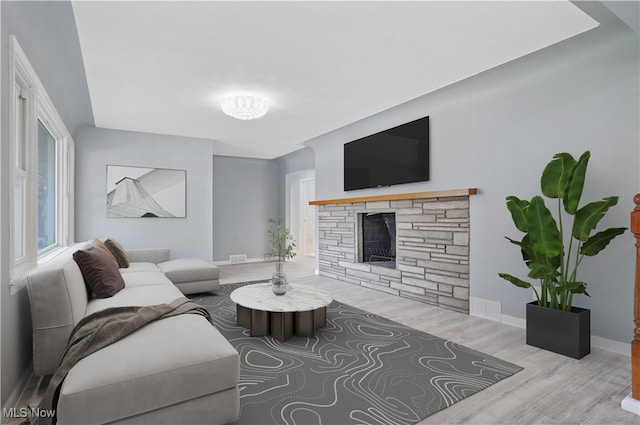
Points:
(144, 192)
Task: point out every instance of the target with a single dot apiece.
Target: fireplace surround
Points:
(431, 249)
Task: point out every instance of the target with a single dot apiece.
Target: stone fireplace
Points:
(429, 259)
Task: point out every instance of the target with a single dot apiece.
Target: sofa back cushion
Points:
(58, 298)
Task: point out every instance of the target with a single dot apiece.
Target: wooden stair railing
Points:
(635, 344)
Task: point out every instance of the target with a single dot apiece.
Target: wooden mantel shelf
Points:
(399, 196)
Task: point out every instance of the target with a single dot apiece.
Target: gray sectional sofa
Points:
(177, 370)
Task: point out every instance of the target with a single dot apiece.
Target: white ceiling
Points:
(160, 67)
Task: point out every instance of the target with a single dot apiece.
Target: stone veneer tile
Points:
(383, 271)
(453, 303)
(415, 218)
(403, 203)
(411, 252)
(463, 213)
(372, 277)
(377, 205)
(458, 250)
(461, 293)
(456, 281)
(461, 239)
(382, 288)
(445, 205)
(408, 288)
(355, 266)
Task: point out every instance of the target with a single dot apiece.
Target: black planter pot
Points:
(563, 332)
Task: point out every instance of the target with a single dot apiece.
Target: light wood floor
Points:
(552, 389)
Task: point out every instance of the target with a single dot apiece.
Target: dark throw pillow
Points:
(118, 252)
(100, 273)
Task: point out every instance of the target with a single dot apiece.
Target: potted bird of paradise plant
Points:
(553, 248)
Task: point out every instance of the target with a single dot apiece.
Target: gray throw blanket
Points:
(104, 328)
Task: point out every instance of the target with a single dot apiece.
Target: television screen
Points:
(394, 156)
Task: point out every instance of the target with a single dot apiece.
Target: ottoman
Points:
(191, 275)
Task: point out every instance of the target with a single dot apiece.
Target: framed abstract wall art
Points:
(146, 192)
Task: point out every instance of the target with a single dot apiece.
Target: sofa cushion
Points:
(145, 278)
(196, 360)
(100, 273)
(136, 296)
(140, 267)
(189, 270)
(148, 255)
(118, 252)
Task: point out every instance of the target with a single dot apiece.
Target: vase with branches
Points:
(281, 248)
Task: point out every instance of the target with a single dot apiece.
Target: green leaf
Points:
(278, 237)
(600, 240)
(587, 217)
(576, 184)
(532, 256)
(518, 209)
(556, 175)
(577, 288)
(516, 281)
(541, 271)
(543, 229)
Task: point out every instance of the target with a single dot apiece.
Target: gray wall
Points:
(498, 130)
(245, 196)
(300, 160)
(47, 33)
(97, 148)
(229, 200)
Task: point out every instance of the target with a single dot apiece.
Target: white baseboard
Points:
(631, 405)
(517, 322)
(492, 310)
(16, 393)
(248, 260)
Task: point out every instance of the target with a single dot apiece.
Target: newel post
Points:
(635, 344)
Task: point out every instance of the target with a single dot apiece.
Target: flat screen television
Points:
(394, 156)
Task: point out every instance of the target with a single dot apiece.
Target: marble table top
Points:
(259, 296)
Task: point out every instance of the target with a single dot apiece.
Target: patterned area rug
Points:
(360, 369)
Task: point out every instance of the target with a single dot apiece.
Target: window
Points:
(42, 171)
(46, 188)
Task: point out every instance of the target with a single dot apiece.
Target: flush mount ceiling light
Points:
(244, 106)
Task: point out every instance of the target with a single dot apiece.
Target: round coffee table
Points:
(300, 311)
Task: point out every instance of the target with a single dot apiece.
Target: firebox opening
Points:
(378, 239)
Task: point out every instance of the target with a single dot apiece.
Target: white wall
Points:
(186, 237)
(498, 130)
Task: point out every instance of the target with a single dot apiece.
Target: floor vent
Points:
(238, 258)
